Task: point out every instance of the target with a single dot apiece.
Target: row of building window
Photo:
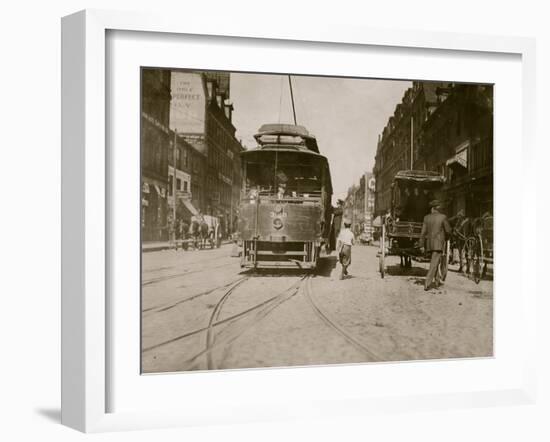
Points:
(219, 190)
(180, 185)
(220, 162)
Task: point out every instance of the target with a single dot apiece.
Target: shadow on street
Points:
(397, 270)
(324, 269)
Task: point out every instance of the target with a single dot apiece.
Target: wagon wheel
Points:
(468, 251)
(473, 257)
(483, 263)
(211, 239)
(476, 268)
(443, 262)
(381, 263)
(478, 259)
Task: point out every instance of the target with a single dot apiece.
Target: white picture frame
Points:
(85, 234)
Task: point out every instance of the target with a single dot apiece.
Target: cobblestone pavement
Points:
(200, 311)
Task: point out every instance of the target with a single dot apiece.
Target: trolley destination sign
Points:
(303, 238)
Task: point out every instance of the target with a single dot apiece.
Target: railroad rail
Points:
(334, 326)
(212, 340)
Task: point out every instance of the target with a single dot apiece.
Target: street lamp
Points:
(174, 189)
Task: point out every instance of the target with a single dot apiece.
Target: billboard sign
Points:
(188, 104)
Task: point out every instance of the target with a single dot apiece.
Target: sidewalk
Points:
(155, 246)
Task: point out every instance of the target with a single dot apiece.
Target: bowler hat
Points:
(435, 203)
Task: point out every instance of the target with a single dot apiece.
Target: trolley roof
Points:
(286, 135)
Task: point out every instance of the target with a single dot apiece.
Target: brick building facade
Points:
(215, 155)
(359, 205)
(451, 126)
(155, 145)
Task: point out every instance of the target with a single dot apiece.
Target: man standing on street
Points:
(345, 241)
(435, 231)
(337, 213)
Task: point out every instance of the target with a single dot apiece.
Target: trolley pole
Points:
(174, 189)
(292, 98)
(412, 142)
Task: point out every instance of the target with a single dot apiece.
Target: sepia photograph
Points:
(304, 220)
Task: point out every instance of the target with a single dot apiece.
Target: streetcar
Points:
(285, 209)
(411, 192)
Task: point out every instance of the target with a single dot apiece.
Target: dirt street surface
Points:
(200, 311)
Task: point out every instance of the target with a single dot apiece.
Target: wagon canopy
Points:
(419, 176)
(412, 191)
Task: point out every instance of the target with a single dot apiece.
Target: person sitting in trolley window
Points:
(253, 195)
(281, 190)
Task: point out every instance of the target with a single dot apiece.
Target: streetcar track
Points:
(220, 322)
(328, 321)
(262, 310)
(210, 337)
(179, 275)
(278, 300)
(214, 317)
(158, 269)
(269, 305)
(165, 307)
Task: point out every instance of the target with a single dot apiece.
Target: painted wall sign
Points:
(188, 104)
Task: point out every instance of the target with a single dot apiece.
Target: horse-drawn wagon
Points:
(205, 229)
(411, 192)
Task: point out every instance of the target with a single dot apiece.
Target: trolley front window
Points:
(291, 174)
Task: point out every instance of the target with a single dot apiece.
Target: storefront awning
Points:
(459, 160)
(189, 206)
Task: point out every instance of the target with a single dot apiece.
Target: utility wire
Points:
(281, 98)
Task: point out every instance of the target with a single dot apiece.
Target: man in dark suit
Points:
(435, 231)
(337, 213)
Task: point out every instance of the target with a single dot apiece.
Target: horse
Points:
(194, 231)
(482, 229)
(182, 233)
(204, 233)
(405, 258)
(461, 230)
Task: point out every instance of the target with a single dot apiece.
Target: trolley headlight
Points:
(277, 223)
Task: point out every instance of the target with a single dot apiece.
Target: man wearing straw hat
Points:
(345, 241)
(435, 230)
